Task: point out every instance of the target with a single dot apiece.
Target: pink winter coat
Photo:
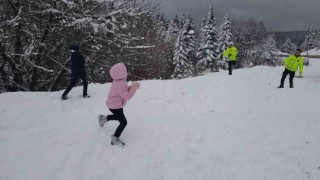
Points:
(119, 92)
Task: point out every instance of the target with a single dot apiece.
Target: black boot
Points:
(64, 97)
(281, 86)
(86, 96)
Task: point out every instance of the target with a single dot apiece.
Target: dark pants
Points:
(285, 74)
(73, 82)
(118, 115)
(230, 64)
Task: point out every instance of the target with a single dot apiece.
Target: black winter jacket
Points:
(77, 65)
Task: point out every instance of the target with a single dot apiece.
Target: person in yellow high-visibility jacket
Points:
(231, 52)
(292, 63)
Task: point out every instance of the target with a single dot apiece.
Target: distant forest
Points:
(296, 37)
(35, 37)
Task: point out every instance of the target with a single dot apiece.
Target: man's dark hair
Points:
(298, 50)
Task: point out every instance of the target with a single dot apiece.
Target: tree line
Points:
(35, 36)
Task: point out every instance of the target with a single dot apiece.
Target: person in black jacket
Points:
(77, 72)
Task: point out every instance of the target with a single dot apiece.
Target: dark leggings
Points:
(285, 74)
(119, 116)
(73, 82)
(230, 64)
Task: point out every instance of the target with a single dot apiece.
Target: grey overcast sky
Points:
(281, 15)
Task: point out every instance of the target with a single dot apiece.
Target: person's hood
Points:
(118, 71)
(74, 47)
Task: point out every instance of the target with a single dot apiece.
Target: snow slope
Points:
(213, 127)
(315, 51)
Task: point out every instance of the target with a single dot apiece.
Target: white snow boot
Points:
(116, 141)
(102, 120)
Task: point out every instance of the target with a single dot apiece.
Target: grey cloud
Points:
(281, 15)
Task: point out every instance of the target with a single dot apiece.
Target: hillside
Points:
(214, 127)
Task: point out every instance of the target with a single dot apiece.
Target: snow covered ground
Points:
(213, 127)
(315, 51)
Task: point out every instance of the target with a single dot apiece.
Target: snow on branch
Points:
(11, 80)
(68, 3)
(140, 47)
(39, 67)
(62, 66)
(16, 19)
(50, 10)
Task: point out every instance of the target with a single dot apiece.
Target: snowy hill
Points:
(214, 127)
(315, 51)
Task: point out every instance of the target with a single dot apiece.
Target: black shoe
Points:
(86, 96)
(291, 86)
(281, 86)
(64, 98)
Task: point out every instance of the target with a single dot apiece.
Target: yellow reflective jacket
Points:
(293, 62)
(231, 53)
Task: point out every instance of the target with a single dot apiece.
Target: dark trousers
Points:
(119, 116)
(230, 64)
(73, 82)
(285, 74)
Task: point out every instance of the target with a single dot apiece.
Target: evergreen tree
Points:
(317, 39)
(312, 37)
(248, 37)
(269, 54)
(161, 26)
(203, 31)
(173, 29)
(225, 37)
(191, 39)
(182, 21)
(184, 49)
(289, 47)
(310, 40)
(208, 50)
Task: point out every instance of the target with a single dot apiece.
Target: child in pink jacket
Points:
(118, 96)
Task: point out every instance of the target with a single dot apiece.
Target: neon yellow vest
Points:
(293, 62)
(232, 53)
